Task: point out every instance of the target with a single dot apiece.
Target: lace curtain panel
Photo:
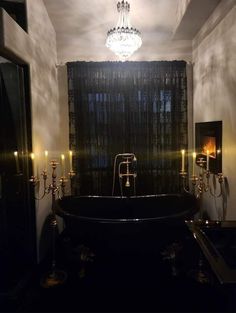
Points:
(138, 107)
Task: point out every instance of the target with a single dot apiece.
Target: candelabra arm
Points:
(71, 176)
(53, 186)
(36, 182)
(208, 180)
(63, 181)
(194, 180)
(184, 179)
(202, 187)
(221, 181)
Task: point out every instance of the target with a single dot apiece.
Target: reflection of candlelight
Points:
(70, 159)
(62, 165)
(183, 159)
(17, 161)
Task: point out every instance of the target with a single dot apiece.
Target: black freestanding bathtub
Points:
(133, 223)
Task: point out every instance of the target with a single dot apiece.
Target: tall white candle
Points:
(62, 165)
(207, 165)
(45, 160)
(17, 161)
(194, 160)
(70, 160)
(183, 160)
(32, 159)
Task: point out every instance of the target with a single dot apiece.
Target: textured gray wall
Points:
(214, 98)
(49, 108)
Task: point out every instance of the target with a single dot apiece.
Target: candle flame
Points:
(70, 153)
(46, 153)
(32, 156)
(62, 156)
(15, 153)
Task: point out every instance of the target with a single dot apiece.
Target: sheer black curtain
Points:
(138, 107)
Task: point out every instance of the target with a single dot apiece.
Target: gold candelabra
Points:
(54, 277)
(201, 182)
(53, 187)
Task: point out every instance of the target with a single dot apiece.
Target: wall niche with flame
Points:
(209, 138)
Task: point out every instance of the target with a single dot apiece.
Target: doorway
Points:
(17, 217)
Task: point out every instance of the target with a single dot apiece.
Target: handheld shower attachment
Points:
(126, 170)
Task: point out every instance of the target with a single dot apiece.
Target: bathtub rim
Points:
(188, 212)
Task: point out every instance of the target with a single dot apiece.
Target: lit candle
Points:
(62, 165)
(207, 165)
(32, 158)
(46, 160)
(70, 159)
(17, 161)
(194, 160)
(183, 160)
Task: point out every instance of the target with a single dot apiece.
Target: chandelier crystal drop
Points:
(123, 39)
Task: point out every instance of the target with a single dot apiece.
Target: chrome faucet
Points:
(125, 171)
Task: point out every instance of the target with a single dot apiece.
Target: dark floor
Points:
(124, 283)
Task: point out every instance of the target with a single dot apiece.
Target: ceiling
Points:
(81, 27)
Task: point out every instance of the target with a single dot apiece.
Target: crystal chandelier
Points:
(123, 39)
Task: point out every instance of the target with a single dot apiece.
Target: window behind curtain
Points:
(138, 107)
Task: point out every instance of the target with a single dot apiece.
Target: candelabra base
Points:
(53, 279)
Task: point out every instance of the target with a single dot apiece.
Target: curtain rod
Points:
(60, 64)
